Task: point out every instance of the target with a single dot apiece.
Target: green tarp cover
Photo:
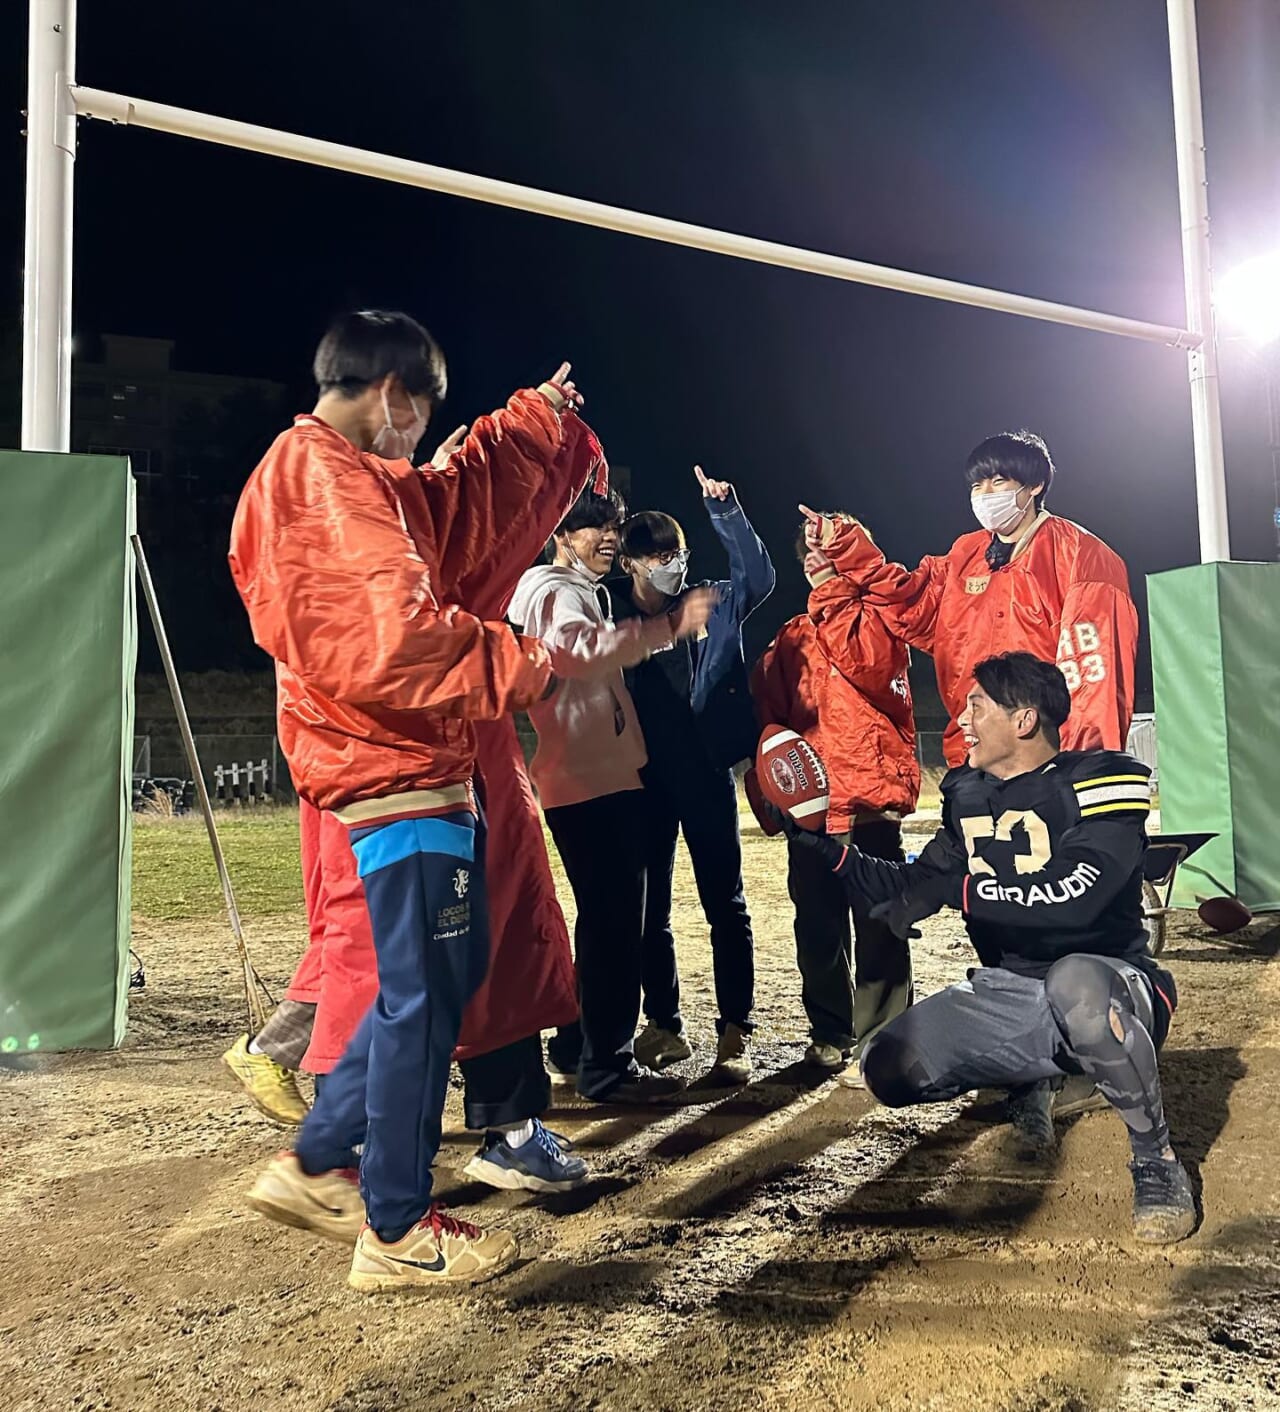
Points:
(1215, 650)
(66, 739)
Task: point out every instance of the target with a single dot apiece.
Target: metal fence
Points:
(238, 769)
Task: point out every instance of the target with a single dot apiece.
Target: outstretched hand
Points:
(713, 489)
(567, 389)
(785, 824)
(819, 530)
(448, 446)
(693, 612)
(902, 914)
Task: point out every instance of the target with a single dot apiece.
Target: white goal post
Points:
(55, 102)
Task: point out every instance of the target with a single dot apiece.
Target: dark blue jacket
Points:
(714, 670)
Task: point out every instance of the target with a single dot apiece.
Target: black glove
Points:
(902, 914)
(822, 844)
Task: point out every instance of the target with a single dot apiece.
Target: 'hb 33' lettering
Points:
(1082, 641)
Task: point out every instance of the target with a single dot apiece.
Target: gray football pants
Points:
(1090, 1014)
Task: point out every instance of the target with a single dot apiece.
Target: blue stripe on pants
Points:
(430, 931)
(380, 847)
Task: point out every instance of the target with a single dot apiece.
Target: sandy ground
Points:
(787, 1246)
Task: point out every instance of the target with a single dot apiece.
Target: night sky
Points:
(1025, 144)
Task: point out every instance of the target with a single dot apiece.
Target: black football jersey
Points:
(1041, 865)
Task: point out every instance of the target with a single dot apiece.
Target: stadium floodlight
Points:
(1248, 299)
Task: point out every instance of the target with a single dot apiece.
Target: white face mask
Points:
(670, 578)
(998, 511)
(576, 562)
(395, 443)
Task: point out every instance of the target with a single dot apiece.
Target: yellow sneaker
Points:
(328, 1203)
(272, 1090)
(438, 1251)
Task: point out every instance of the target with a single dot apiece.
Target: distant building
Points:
(136, 403)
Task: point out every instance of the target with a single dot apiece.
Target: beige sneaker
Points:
(272, 1089)
(438, 1251)
(655, 1047)
(826, 1056)
(733, 1055)
(328, 1203)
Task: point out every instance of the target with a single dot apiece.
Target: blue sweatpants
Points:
(424, 881)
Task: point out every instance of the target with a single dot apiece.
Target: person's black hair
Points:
(589, 511)
(1020, 456)
(1016, 680)
(649, 533)
(364, 346)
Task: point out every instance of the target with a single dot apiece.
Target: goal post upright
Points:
(46, 270)
(1193, 202)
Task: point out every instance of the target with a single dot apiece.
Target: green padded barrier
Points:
(66, 723)
(1215, 652)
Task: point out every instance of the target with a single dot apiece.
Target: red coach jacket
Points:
(379, 672)
(838, 676)
(530, 984)
(1064, 596)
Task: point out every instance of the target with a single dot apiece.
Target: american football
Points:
(792, 776)
(1224, 915)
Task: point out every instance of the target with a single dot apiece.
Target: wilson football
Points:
(1224, 914)
(792, 777)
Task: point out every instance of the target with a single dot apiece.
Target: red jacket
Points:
(1064, 597)
(530, 983)
(838, 676)
(340, 558)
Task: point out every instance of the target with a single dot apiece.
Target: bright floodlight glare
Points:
(1248, 299)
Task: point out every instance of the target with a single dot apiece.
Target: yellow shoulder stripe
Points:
(1113, 779)
(1130, 806)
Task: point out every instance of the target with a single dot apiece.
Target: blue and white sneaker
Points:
(541, 1164)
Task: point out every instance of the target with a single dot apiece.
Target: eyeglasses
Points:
(671, 556)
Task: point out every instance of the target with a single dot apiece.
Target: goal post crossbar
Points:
(182, 122)
(55, 101)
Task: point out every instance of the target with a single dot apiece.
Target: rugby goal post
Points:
(55, 101)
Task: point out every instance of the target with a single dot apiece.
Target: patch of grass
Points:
(174, 877)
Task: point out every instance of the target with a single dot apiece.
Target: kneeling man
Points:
(1041, 850)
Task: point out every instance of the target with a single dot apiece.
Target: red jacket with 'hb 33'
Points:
(1064, 597)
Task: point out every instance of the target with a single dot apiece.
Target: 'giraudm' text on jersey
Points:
(1042, 865)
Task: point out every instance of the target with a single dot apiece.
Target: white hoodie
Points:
(589, 740)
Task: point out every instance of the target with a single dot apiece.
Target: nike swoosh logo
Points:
(325, 1207)
(432, 1267)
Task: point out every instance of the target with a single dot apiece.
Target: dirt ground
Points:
(790, 1246)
